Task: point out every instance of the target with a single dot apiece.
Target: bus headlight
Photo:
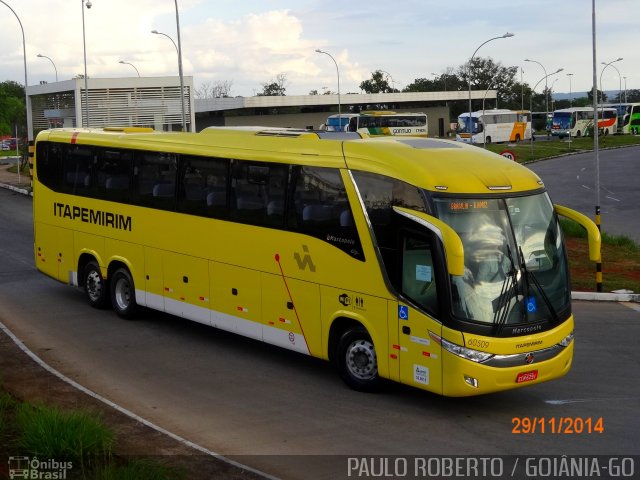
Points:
(464, 352)
(566, 340)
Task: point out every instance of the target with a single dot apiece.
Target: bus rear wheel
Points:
(357, 361)
(517, 137)
(123, 294)
(95, 286)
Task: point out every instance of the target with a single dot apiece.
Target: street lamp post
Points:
(570, 93)
(338, 74)
(393, 84)
(546, 88)
(54, 65)
(27, 101)
(531, 102)
(619, 121)
(127, 63)
(184, 118)
(506, 35)
(625, 89)
(179, 70)
(84, 48)
(606, 64)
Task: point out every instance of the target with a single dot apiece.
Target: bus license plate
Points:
(527, 376)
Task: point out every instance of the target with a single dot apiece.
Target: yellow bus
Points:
(423, 261)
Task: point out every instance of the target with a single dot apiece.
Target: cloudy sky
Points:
(250, 42)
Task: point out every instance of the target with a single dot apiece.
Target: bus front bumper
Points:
(464, 378)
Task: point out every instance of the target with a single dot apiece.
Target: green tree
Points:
(632, 96)
(12, 108)
(422, 85)
(485, 74)
(277, 87)
(602, 97)
(377, 83)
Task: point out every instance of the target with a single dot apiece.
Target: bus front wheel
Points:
(357, 360)
(95, 286)
(123, 294)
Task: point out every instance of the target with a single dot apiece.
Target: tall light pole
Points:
(606, 64)
(531, 100)
(155, 32)
(546, 88)
(127, 63)
(393, 84)
(506, 35)
(625, 89)
(184, 117)
(54, 65)
(27, 101)
(596, 143)
(570, 93)
(620, 112)
(338, 73)
(84, 47)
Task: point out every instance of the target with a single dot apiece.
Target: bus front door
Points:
(420, 356)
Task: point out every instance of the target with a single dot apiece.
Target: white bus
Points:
(487, 126)
(383, 122)
(578, 121)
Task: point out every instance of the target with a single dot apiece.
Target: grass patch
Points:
(80, 437)
(620, 261)
(530, 151)
(52, 433)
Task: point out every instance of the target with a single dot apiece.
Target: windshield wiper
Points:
(530, 275)
(508, 291)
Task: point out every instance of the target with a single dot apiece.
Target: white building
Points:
(132, 101)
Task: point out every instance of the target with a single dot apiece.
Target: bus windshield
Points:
(562, 120)
(515, 264)
(468, 126)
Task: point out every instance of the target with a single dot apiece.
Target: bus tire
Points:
(123, 294)
(517, 137)
(357, 361)
(488, 140)
(578, 134)
(96, 288)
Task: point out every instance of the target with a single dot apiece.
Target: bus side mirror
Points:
(454, 250)
(593, 234)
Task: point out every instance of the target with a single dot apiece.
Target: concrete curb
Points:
(22, 191)
(584, 296)
(606, 297)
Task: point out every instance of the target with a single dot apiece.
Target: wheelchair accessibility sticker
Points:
(403, 312)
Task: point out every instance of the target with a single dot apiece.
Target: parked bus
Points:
(423, 261)
(382, 122)
(631, 119)
(338, 122)
(578, 121)
(494, 126)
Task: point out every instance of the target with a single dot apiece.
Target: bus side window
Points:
(76, 169)
(113, 174)
(258, 193)
(319, 207)
(203, 186)
(49, 164)
(154, 180)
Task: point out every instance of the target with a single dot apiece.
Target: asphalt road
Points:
(571, 181)
(289, 415)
